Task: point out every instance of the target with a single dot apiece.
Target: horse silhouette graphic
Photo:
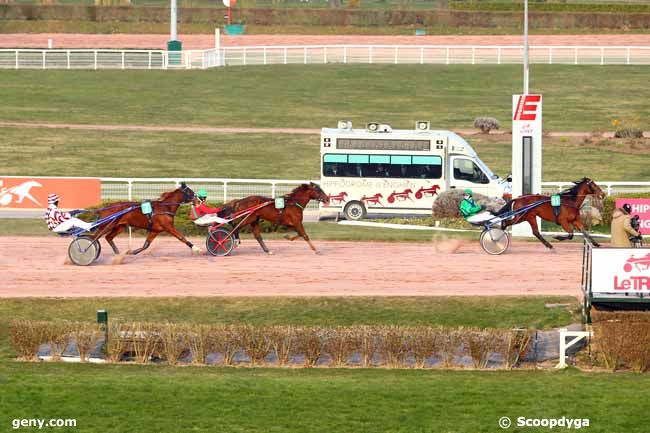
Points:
(339, 198)
(374, 199)
(400, 196)
(21, 192)
(427, 192)
(640, 263)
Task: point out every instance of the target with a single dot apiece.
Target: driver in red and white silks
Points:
(203, 215)
(59, 221)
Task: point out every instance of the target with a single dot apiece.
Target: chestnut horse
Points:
(161, 219)
(569, 216)
(290, 216)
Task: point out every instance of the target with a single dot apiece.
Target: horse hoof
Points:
(270, 253)
(196, 250)
(128, 253)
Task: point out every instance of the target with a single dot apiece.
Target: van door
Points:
(465, 173)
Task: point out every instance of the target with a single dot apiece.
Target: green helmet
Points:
(202, 194)
(468, 191)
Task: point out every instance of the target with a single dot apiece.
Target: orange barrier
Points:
(32, 192)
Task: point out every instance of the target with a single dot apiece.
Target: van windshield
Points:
(486, 169)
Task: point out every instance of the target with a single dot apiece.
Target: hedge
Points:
(534, 6)
(276, 346)
(328, 17)
(622, 339)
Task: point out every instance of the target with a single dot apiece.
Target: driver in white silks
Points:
(59, 221)
(472, 211)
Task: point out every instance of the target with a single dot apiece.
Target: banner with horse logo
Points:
(32, 192)
(620, 270)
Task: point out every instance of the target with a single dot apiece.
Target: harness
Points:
(282, 208)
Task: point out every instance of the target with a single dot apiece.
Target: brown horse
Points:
(160, 220)
(290, 216)
(569, 216)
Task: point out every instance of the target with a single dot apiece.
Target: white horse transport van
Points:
(379, 170)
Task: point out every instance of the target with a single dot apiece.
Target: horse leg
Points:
(111, 235)
(567, 228)
(533, 225)
(257, 232)
(291, 238)
(580, 226)
(150, 237)
(301, 232)
(172, 231)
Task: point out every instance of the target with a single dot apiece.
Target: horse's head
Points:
(187, 192)
(591, 188)
(316, 193)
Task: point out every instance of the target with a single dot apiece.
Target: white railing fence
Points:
(222, 189)
(320, 54)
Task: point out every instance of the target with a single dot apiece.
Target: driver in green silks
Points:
(472, 211)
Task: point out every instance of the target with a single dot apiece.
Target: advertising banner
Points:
(32, 192)
(640, 207)
(620, 271)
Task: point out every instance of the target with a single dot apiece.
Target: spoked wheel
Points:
(83, 251)
(495, 241)
(219, 242)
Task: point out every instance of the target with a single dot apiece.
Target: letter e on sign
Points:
(527, 107)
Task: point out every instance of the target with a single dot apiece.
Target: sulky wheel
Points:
(83, 251)
(219, 242)
(495, 241)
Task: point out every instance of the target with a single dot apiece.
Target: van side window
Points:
(382, 166)
(466, 169)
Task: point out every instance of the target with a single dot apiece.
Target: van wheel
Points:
(354, 211)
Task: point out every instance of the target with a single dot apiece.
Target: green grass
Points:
(576, 98)
(60, 152)
(141, 399)
(492, 312)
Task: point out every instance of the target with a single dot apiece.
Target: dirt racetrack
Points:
(34, 266)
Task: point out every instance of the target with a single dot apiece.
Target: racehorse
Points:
(160, 220)
(569, 216)
(291, 216)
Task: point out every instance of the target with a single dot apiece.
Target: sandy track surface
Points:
(34, 266)
(65, 40)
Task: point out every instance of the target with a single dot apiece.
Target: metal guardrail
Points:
(320, 54)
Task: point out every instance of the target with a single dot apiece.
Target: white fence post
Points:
(16, 59)
(421, 55)
(602, 55)
(447, 57)
(264, 52)
(305, 55)
(149, 59)
(370, 54)
(498, 55)
(575, 56)
(68, 58)
(396, 53)
(577, 336)
(345, 54)
(95, 59)
(285, 55)
(244, 56)
(324, 55)
(273, 190)
(550, 55)
(43, 59)
(225, 191)
(473, 55)
(628, 56)
(123, 65)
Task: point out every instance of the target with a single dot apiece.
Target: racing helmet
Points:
(627, 208)
(202, 194)
(468, 192)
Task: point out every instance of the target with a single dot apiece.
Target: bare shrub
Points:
(283, 341)
(340, 343)
(480, 344)
(197, 342)
(450, 342)
(609, 342)
(145, 341)
(58, 336)
(27, 336)
(370, 341)
(629, 132)
(86, 336)
(256, 343)
(309, 342)
(448, 203)
(393, 345)
(225, 340)
(118, 341)
(517, 347)
(486, 124)
(424, 344)
(173, 342)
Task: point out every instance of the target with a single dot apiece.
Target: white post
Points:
(345, 54)
(68, 58)
(95, 59)
(244, 56)
(628, 55)
(49, 44)
(396, 53)
(447, 57)
(149, 59)
(421, 55)
(16, 59)
(264, 53)
(577, 336)
(225, 191)
(217, 39)
(272, 189)
(44, 59)
(123, 60)
(575, 56)
(609, 189)
(370, 54)
(550, 55)
(304, 55)
(525, 47)
(172, 21)
(285, 55)
(602, 55)
(473, 55)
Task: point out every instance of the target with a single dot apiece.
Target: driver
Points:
(61, 222)
(203, 215)
(472, 211)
